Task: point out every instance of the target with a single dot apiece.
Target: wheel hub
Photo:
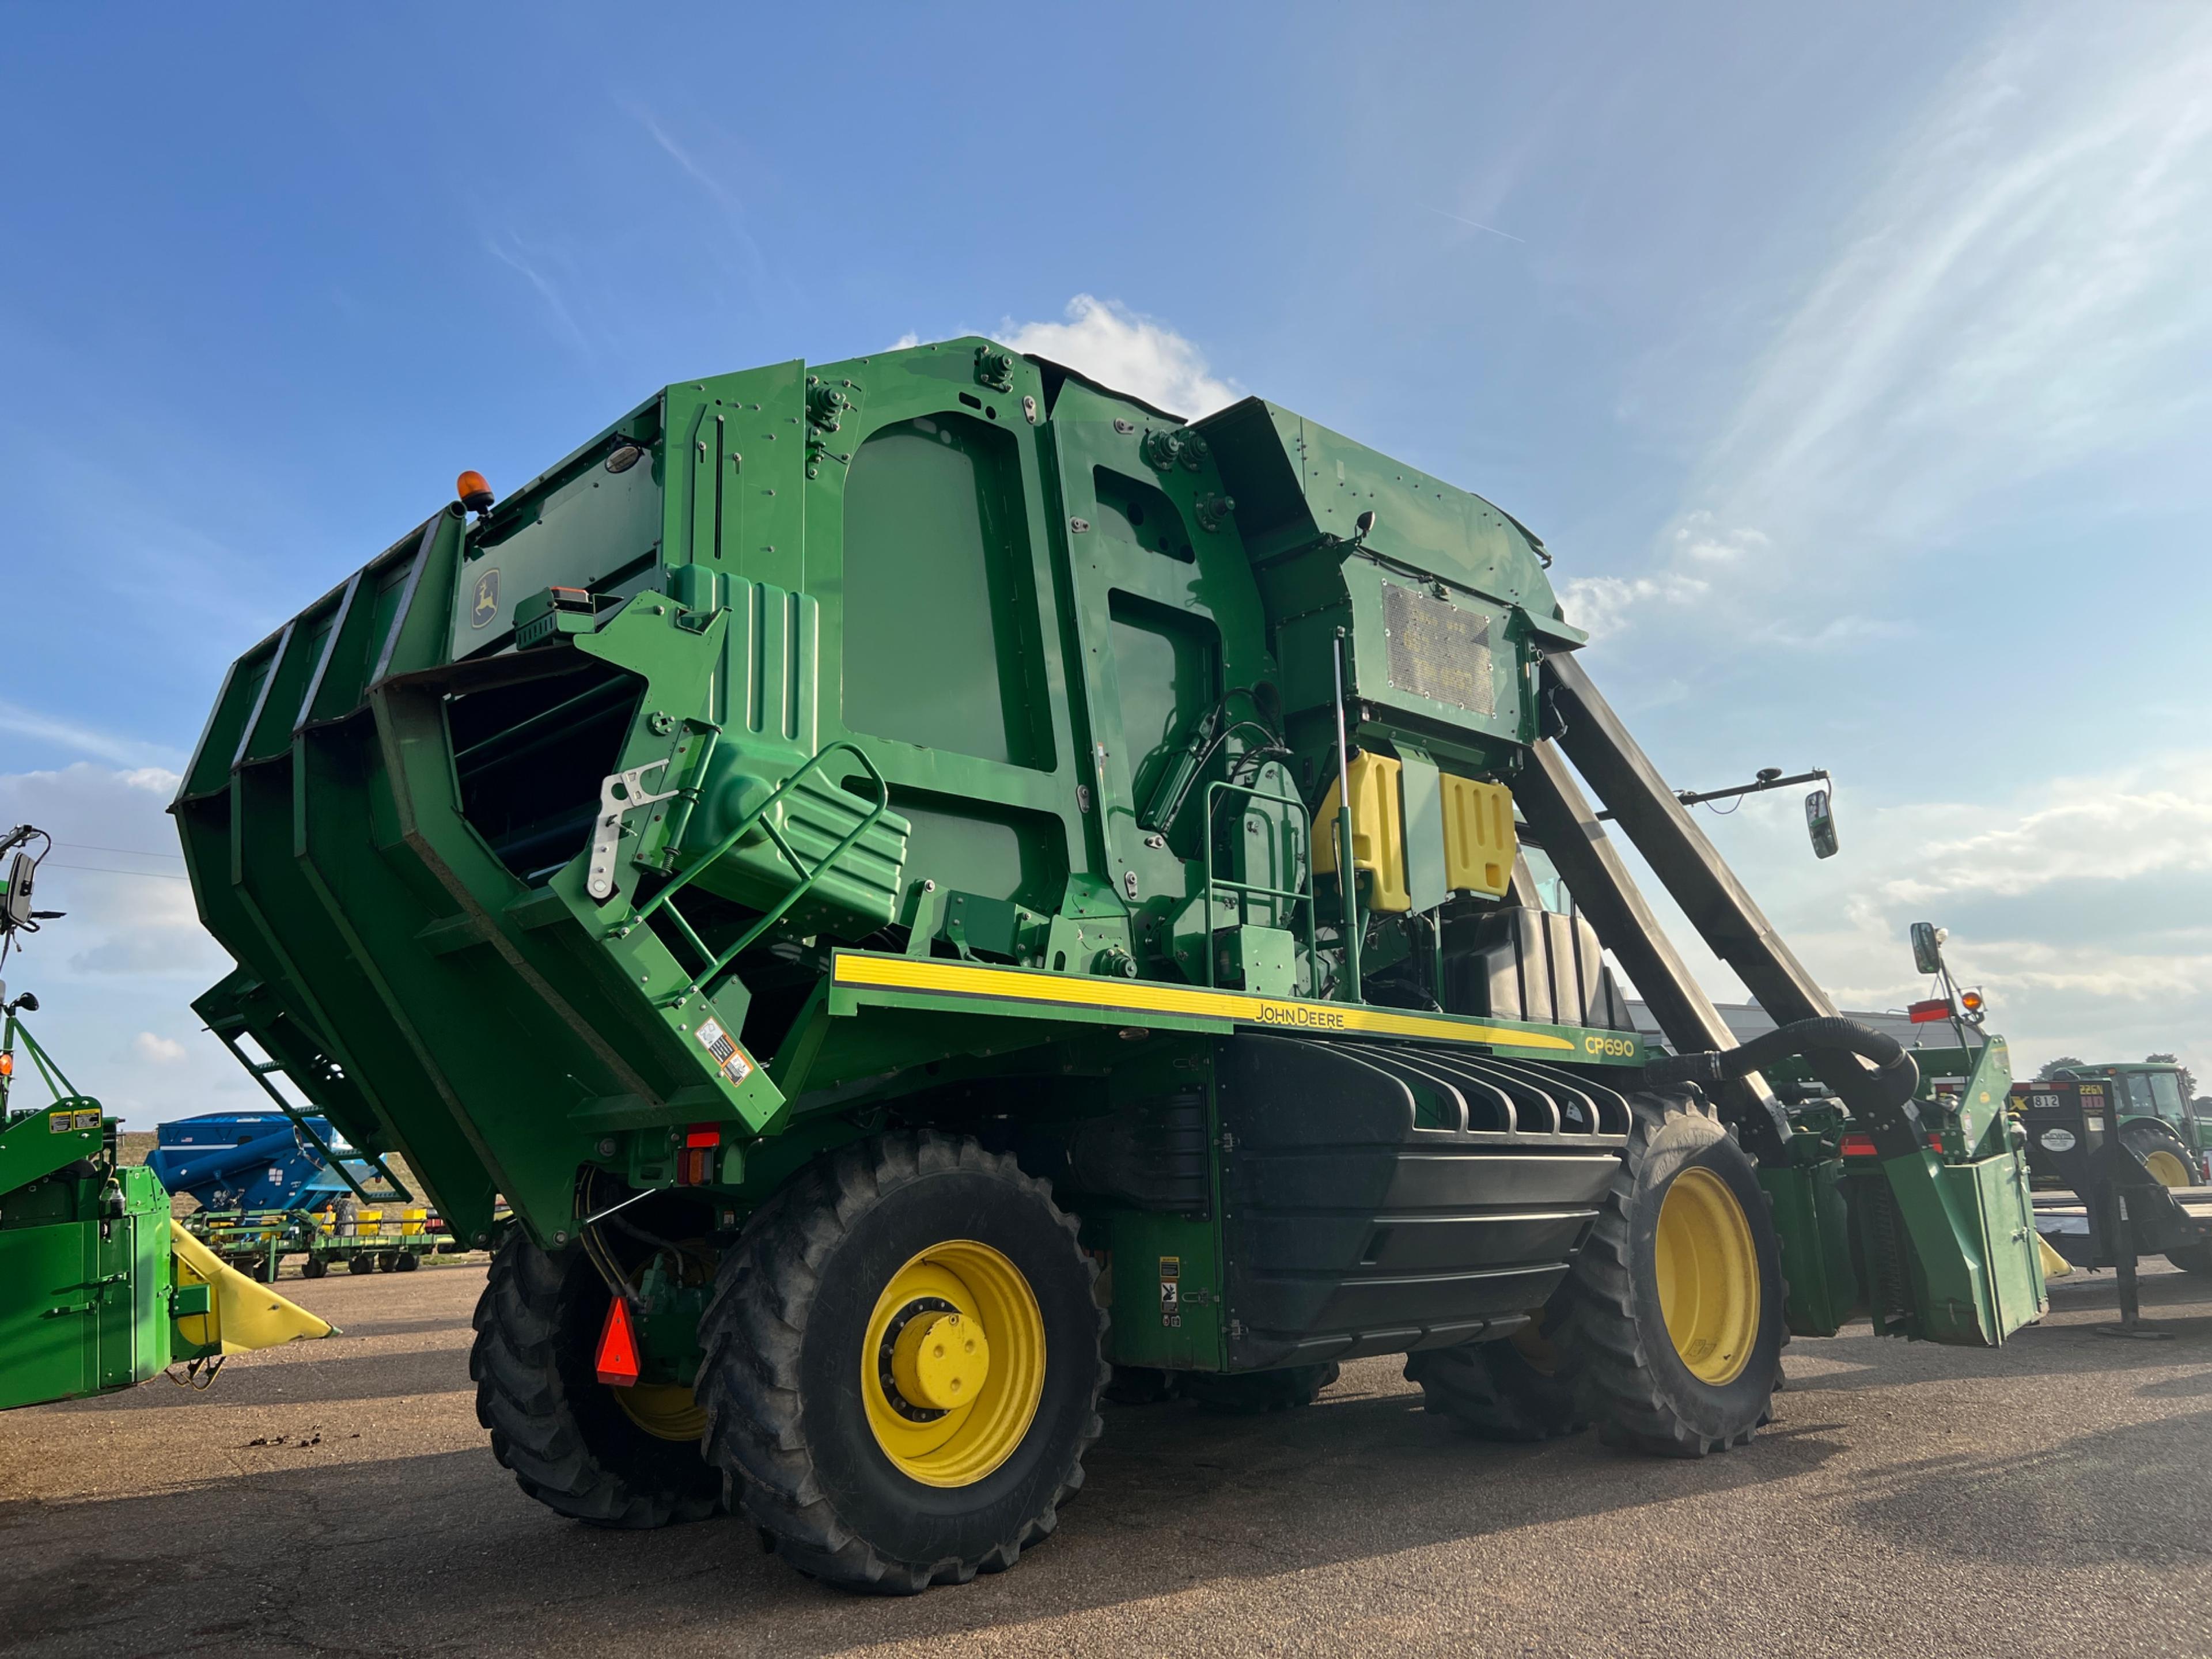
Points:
(940, 1360)
(906, 1394)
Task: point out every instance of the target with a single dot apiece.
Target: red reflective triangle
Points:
(1934, 1008)
(617, 1360)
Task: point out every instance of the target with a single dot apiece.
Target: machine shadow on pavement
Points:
(1176, 1498)
(2044, 1509)
(2069, 1342)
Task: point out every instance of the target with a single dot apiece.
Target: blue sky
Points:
(1852, 361)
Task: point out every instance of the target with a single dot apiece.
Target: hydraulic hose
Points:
(1895, 1072)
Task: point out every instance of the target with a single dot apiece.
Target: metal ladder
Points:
(758, 817)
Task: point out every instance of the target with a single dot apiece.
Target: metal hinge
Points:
(1235, 1329)
(618, 792)
(1228, 1141)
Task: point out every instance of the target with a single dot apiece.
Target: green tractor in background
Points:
(933, 886)
(2119, 1159)
(2157, 1118)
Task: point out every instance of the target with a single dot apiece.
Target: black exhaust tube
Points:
(1895, 1069)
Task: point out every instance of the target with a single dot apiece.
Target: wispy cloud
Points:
(2008, 298)
(2083, 904)
(1127, 351)
(509, 251)
(1603, 607)
(717, 187)
(2018, 291)
(116, 747)
(1699, 551)
(1476, 224)
(682, 156)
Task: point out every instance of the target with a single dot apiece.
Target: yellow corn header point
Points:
(242, 1314)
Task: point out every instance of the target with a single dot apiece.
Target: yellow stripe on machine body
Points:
(927, 977)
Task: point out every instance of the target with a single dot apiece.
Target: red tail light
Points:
(617, 1361)
(1858, 1146)
(694, 1159)
(1933, 1009)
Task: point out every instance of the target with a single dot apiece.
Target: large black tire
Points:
(313, 1267)
(795, 1306)
(2162, 1149)
(1629, 1376)
(2197, 1260)
(1142, 1385)
(568, 1441)
(406, 1263)
(1506, 1389)
(1249, 1393)
(361, 1262)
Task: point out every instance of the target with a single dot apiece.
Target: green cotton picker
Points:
(938, 890)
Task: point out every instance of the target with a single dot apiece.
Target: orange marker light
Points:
(1971, 1001)
(475, 493)
(7, 1065)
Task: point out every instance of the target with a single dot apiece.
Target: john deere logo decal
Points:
(485, 605)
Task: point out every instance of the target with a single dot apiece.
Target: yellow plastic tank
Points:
(1479, 843)
(1378, 832)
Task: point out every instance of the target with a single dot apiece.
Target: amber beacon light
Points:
(474, 492)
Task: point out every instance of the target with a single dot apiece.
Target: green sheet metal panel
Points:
(1812, 1219)
(84, 1304)
(49, 1321)
(1426, 884)
(1163, 1286)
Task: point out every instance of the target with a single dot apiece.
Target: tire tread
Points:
(522, 1400)
(1614, 1384)
(749, 1380)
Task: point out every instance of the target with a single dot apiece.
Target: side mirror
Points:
(1820, 823)
(1928, 946)
(15, 908)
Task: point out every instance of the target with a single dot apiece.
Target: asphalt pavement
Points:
(339, 1497)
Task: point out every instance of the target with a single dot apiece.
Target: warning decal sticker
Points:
(729, 1059)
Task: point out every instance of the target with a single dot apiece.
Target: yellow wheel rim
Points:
(952, 1364)
(2167, 1168)
(1708, 1275)
(666, 1411)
